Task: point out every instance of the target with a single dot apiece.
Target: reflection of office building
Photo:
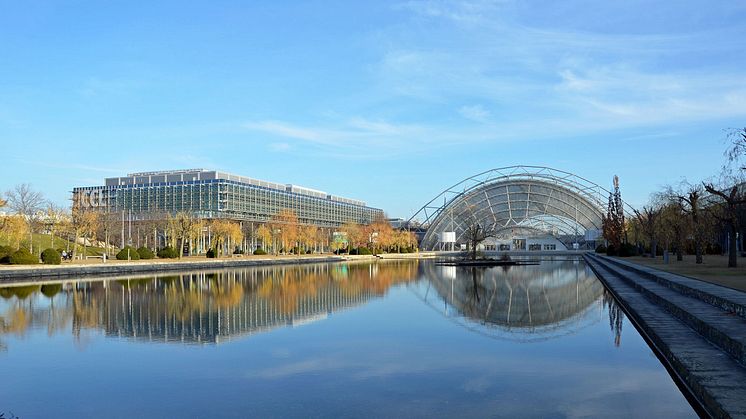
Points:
(213, 194)
(201, 307)
(212, 310)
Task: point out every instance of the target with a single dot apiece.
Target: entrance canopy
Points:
(515, 203)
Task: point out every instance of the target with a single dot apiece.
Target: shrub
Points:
(238, 251)
(145, 253)
(601, 249)
(627, 250)
(611, 250)
(5, 252)
(168, 252)
(210, 254)
(713, 249)
(23, 257)
(308, 252)
(260, 251)
(51, 257)
(128, 253)
(364, 251)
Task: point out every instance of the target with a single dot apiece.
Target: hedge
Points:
(361, 251)
(168, 252)
(128, 251)
(5, 252)
(145, 253)
(23, 257)
(260, 251)
(51, 257)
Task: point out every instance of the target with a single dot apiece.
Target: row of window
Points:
(228, 199)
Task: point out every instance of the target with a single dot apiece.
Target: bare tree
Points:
(55, 218)
(673, 228)
(690, 201)
(737, 148)
(725, 210)
(475, 233)
(648, 219)
(26, 202)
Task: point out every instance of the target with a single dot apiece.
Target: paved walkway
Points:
(698, 328)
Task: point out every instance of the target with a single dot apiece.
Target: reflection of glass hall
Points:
(528, 207)
(527, 303)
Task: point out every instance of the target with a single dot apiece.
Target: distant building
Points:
(210, 194)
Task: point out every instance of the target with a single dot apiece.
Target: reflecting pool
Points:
(396, 338)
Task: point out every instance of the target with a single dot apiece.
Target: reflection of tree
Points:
(355, 279)
(85, 311)
(183, 303)
(15, 321)
(199, 306)
(616, 316)
(227, 294)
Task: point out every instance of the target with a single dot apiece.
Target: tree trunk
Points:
(732, 249)
(653, 248)
(679, 254)
(698, 250)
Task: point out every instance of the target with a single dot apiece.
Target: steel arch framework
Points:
(528, 200)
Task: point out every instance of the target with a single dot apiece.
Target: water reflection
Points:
(519, 303)
(197, 307)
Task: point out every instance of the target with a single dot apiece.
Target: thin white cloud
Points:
(475, 113)
(279, 147)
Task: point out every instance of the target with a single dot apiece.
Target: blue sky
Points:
(389, 102)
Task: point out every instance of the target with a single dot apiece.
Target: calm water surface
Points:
(386, 339)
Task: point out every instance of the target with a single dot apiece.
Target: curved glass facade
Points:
(525, 208)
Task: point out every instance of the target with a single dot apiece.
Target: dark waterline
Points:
(328, 340)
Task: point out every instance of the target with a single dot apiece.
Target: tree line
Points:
(33, 223)
(698, 218)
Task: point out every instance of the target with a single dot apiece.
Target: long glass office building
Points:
(210, 194)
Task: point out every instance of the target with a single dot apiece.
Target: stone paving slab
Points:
(712, 377)
(719, 296)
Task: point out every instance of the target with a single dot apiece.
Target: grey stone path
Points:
(697, 327)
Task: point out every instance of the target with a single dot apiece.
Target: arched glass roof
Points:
(527, 200)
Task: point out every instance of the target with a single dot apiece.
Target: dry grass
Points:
(714, 269)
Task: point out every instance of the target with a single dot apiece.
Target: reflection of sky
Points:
(393, 356)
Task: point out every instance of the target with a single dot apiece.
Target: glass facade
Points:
(210, 194)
